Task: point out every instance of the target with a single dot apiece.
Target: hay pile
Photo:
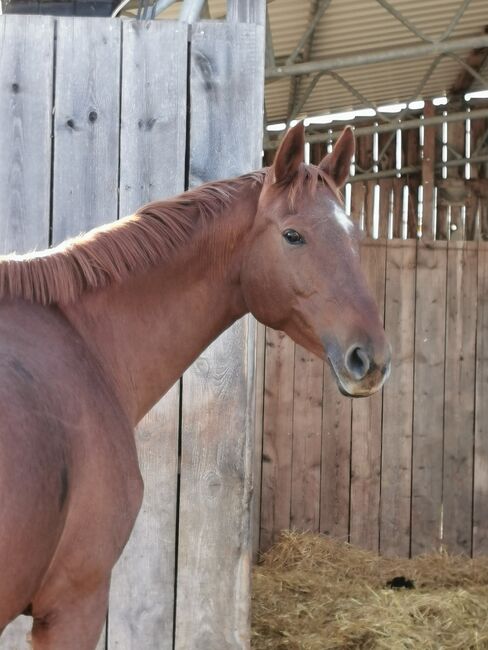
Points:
(313, 593)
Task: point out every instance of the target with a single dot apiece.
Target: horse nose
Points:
(357, 362)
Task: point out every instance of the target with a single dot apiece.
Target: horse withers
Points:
(95, 331)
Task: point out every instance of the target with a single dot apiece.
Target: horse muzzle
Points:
(361, 369)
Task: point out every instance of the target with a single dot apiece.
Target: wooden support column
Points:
(428, 162)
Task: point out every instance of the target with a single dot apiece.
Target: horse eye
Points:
(293, 237)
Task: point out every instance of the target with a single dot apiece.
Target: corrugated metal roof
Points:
(362, 26)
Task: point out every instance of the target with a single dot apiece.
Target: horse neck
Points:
(146, 331)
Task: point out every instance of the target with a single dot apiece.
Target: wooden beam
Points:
(475, 59)
(428, 169)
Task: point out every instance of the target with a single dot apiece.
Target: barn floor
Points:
(313, 593)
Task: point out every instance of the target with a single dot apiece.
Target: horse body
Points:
(70, 486)
(92, 334)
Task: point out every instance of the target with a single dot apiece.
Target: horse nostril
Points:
(357, 362)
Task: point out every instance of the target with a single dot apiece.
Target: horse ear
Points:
(337, 163)
(290, 154)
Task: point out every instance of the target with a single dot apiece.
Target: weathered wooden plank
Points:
(369, 225)
(396, 457)
(226, 91)
(459, 395)
(366, 426)
(428, 171)
(397, 220)
(428, 397)
(456, 140)
(153, 115)
(386, 187)
(153, 120)
(358, 196)
(26, 71)
(259, 378)
(306, 446)
(142, 592)
(480, 483)
(277, 437)
(336, 460)
(412, 154)
(86, 124)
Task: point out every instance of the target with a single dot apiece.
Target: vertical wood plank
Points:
(412, 155)
(277, 437)
(456, 140)
(153, 121)
(358, 196)
(480, 484)
(428, 397)
(26, 71)
(366, 426)
(307, 434)
(226, 89)
(336, 460)
(86, 124)
(398, 185)
(259, 382)
(459, 396)
(396, 458)
(386, 187)
(428, 170)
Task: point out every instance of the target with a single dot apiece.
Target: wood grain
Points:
(336, 460)
(26, 70)
(259, 379)
(86, 124)
(430, 324)
(307, 440)
(480, 481)
(366, 426)
(396, 455)
(152, 166)
(277, 437)
(459, 395)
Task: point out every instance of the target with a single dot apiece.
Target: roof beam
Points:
(396, 126)
(383, 56)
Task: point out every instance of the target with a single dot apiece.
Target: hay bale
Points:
(311, 592)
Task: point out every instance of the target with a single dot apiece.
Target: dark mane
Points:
(109, 254)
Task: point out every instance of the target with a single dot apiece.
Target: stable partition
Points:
(404, 471)
(98, 117)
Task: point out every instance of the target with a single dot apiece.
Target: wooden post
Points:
(428, 162)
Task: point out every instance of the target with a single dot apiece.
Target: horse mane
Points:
(111, 253)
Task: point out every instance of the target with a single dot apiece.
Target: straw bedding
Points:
(314, 593)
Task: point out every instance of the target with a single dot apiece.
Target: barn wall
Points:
(404, 471)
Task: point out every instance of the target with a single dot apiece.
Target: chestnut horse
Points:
(95, 331)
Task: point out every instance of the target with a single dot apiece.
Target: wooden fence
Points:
(99, 116)
(406, 470)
